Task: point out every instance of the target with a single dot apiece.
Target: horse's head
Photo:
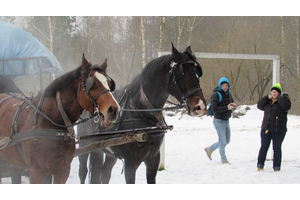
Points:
(184, 82)
(95, 92)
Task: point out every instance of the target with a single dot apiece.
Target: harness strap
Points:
(64, 115)
(14, 125)
(5, 99)
(50, 134)
(190, 93)
(36, 114)
(146, 102)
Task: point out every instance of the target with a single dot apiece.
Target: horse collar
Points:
(64, 115)
(148, 105)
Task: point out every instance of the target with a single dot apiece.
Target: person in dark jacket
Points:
(222, 112)
(275, 107)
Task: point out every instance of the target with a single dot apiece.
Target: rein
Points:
(50, 120)
(152, 109)
(172, 72)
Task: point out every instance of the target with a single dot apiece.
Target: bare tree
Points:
(180, 29)
(282, 44)
(162, 28)
(296, 28)
(143, 42)
(54, 33)
(192, 23)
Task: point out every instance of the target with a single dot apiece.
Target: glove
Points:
(285, 95)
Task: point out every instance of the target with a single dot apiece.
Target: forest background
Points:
(129, 42)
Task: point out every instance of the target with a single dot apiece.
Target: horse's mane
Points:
(8, 85)
(151, 69)
(62, 82)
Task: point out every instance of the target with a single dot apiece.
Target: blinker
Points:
(89, 83)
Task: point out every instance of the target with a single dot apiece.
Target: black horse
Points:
(177, 75)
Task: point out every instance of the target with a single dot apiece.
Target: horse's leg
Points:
(48, 179)
(16, 175)
(83, 170)
(151, 168)
(36, 176)
(107, 167)
(96, 162)
(0, 170)
(130, 170)
(62, 177)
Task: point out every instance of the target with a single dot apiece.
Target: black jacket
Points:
(275, 115)
(220, 109)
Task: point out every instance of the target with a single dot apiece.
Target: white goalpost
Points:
(276, 76)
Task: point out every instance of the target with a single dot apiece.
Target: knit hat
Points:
(277, 87)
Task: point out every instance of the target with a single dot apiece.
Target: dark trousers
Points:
(277, 138)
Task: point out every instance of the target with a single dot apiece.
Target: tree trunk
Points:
(180, 29)
(192, 24)
(297, 44)
(143, 42)
(162, 28)
(282, 46)
(51, 32)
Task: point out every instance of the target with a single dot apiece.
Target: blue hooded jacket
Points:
(224, 80)
(220, 109)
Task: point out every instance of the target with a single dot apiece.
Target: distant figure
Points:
(275, 107)
(222, 105)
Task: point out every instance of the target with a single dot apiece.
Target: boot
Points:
(208, 152)
(226, 162)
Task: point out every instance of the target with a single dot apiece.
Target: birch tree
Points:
(192, 23)
(51, 22)
(143, 42)
(180, 29)
(282, 43)
(296, 28)
(162, 29)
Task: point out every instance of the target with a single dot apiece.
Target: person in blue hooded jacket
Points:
(222, 112)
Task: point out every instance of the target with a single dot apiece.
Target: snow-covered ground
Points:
(187, 163)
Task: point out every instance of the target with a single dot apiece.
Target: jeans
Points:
(223, 131)
(277, 138)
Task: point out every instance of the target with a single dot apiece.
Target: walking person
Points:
(273, 128)
(222, 105)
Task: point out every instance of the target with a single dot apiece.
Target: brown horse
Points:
(88, 87)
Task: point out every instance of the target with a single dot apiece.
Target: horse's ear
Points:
(175, 53)
(188, 50)
(84, 62)
(104, 64)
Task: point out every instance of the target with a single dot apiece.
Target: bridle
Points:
(86, 86)
(176, 73)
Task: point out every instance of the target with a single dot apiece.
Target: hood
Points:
(224, 80)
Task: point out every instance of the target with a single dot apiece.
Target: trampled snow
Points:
(187, 163)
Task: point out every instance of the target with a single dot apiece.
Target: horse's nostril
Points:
(197, 108)
(111, 110)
